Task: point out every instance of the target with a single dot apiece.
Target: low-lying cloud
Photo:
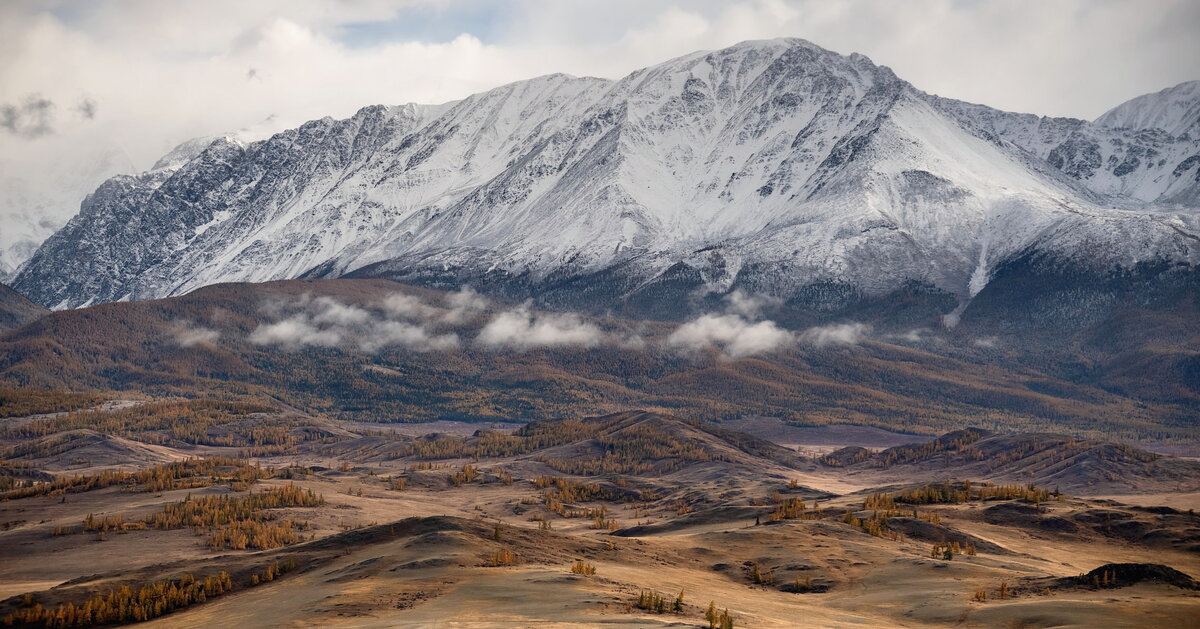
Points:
(522, 329)
(835, 334)
(395, 333)
(733, 334)
(295, 333)
(407, 321)
(749, 305)
(398, 321)
(188, 334)
(459, 307)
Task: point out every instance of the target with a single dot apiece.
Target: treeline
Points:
(947, 550)
(529, 438)
(23, 402)
(961, 445)
(636, 450)
(957, 493)
(126, 604)
(793, 508)
(183, 420)
(1048, 454)
(652, 601)
(186, 474)
(567, 490)
(14, 474)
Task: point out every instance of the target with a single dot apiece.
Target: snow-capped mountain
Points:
(1175, 110)
(774, 166)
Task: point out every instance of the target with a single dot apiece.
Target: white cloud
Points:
(749, 305)
(295, 333)
(389, 333)
(464, 304)
(521, 329)
(835, 334)
(327, 322)
(332, 312)
(187, 334)
(409, 307)
(733, 334)
(459, 307)
(914, 335)
(467, 299)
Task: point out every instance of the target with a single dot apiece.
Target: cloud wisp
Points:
(459, 307)
(733, 334)
(750, 306)
(835, 334)
(399, 321)
(409, 322)
(741, 331)
(522, 329)
(33, 117)
(188, 334)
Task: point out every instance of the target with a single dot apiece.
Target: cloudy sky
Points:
(132, 78)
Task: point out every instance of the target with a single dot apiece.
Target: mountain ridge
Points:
(16, 310)
(1175, 110)
(774, 166)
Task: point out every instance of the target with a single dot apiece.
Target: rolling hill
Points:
(381, 351)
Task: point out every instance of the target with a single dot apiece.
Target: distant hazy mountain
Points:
(773, 166)
(36, 203)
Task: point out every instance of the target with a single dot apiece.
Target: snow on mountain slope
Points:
(1126, 167)
(774, 165)
(1175, 110)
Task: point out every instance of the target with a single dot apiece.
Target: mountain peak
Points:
(1175, 110)
(776, 165)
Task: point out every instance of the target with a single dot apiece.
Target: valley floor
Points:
(422, 556)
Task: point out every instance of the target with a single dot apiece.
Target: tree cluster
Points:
(187, 474)
(238, 522)
(125, 604)
(189, 421)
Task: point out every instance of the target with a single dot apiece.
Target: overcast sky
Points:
(143, 75)
(162, 71)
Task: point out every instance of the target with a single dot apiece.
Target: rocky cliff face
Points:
(773, 166)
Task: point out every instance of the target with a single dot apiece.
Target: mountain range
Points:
(774, 167)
